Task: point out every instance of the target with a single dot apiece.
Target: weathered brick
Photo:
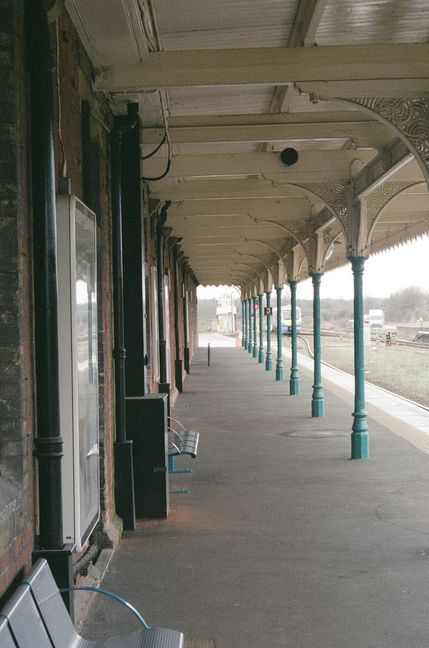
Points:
(8, 206)
(6, 19)
(7, 41)
(7, 170)
(10, 392)
(8, 188)
(10, 449)
(8, 410)
(10, 467)
(10, 430)
(10, 372)
(8, 242)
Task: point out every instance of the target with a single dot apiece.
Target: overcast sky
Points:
(385, 274)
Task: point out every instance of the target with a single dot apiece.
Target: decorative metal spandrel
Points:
(330, 235)
(327, 236)
(410, 117)
(305, 241)
(337, 197)
(379, 198)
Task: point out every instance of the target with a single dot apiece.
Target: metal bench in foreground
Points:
(36, 617)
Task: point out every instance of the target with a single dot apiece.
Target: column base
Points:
(294, 387)
(250, 348)
(261, 356)
(268, 363)
(280, 373)
(124, 484)
(360, 445)
(187, 360)
(317, 407)
(255, 352)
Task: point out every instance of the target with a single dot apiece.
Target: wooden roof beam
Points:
(386, 69)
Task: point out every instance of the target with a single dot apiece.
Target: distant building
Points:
(226, 314)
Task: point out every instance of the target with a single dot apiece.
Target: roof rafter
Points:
(363, 67)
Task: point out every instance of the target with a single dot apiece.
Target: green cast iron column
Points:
(294, 384)
(261, 355)
(317, 401)
(243, 334)
(255, 341)
(360, 449)
(250, 309)
(245, 323)
(279, 363)
(269, 358)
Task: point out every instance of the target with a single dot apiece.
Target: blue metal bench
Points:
(180, 442)
(36, 617)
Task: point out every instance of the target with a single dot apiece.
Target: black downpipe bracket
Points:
(178, 361)
(124, 473)
(164, 386)
(49, 443)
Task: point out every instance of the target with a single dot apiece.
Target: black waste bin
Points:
(147, 427)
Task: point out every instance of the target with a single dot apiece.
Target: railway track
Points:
(380, 338)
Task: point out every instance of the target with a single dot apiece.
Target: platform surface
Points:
(283, 542)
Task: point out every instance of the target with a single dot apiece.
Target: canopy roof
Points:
(229, 84)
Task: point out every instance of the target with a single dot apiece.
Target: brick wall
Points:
(16, 370)
(74, 81)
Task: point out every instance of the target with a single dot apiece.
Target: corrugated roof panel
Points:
(214, 24)
(243, 100)
(365, 21)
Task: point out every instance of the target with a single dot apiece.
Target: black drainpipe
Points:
(48, 447)
(49, 444)
(162, 219)
(124, 473)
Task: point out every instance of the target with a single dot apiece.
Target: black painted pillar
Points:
(124, 473)
(134, 266)
(178, 360)
(187, 357)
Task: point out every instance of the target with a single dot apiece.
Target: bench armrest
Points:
(170, 418)
(175, 432)
(174, 446)
(98, 590)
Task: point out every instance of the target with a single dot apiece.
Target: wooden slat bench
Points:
(36, 617)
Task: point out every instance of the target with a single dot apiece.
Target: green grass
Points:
(402, 370)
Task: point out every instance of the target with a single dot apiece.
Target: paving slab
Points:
(283, 542)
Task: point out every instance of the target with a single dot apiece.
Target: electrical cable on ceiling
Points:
(149, 155)
(166, 137)
(160, 177)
